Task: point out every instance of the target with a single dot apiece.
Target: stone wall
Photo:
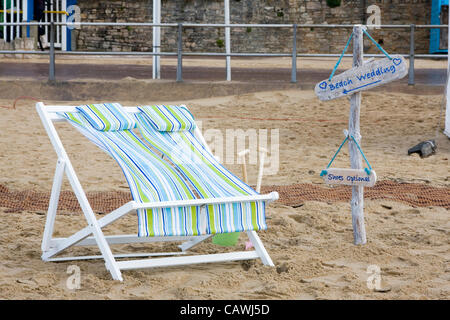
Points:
(310, 40)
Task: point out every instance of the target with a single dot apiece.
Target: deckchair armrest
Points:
(273, 196)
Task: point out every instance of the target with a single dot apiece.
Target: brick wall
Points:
(250, 11)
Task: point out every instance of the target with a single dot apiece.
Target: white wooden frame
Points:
(52, 246)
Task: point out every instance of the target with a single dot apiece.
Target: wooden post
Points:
(242, 155)
(357, 202)
(262, 155)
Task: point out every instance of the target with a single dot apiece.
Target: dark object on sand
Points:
(424, 149)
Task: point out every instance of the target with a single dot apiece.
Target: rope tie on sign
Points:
(376, 43)
(340, 58)
(367, 170)
(348, 43)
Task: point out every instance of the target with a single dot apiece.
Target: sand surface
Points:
(311, 245)
(236, 62)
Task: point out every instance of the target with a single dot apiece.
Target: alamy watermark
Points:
(73, 282)
(261, 145)
(374, 20)
(374, 278)
(74, 18)
(248, 146)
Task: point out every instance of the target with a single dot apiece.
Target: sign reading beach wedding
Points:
(365, 77)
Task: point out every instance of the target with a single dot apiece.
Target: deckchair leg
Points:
(191, 243)
(110, 262)
(259, 248)
(53, 206)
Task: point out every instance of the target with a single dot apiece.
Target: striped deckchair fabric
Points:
(149, 177)
(169, 118)
(153, 179)
(107, 117)
(175, 138)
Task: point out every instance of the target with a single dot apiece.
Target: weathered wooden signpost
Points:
(357, 203)
(362, 76)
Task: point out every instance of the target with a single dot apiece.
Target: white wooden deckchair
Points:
(92, 234)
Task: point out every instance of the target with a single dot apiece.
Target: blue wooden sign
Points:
(370, 75)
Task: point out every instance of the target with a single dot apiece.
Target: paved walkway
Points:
(64, 72)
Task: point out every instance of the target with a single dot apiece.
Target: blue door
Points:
(439, 37)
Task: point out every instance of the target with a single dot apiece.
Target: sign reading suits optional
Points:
(370, 75)
(350, 177)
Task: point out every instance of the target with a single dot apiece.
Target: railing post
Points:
(294, 55)
(180, 54)
(227, 39)
(411, 55)
(51, 73)
(156, 39)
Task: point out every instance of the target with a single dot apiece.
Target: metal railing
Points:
(179, 54)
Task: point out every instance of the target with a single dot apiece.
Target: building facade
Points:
(310, 40)
(195, 39)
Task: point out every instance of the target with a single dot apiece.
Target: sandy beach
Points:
(311, 244)
(238, 62)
